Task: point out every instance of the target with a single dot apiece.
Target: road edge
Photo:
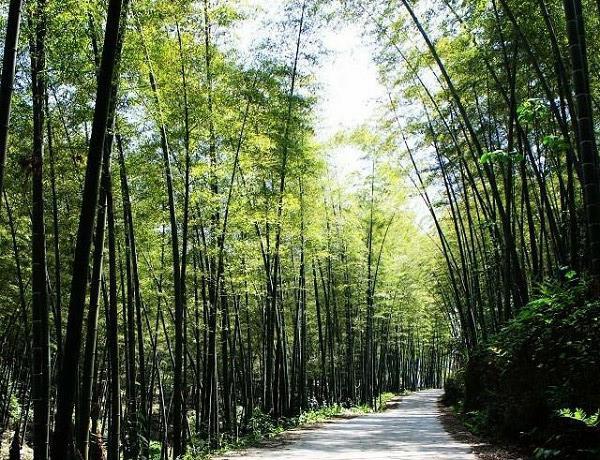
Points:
(484, 449)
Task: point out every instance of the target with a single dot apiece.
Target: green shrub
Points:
(384, 399)
(454, 390)
(319, 415)
(581, 416)
(544, 360)
(546, 454)
(14, 408)
(154, 450)
(476, 421)
(262, 424)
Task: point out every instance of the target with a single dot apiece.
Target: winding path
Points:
(410, 431)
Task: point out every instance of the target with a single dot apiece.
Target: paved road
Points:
(411, 431)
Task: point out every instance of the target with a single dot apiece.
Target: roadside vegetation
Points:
(533, 382)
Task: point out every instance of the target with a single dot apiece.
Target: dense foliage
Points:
(197, 269)
(543, 363)
(180, 262)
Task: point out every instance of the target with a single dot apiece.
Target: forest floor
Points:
(409, 430)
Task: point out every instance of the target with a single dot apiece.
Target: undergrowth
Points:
(536, 380)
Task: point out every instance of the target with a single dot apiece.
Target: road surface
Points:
(410, 431)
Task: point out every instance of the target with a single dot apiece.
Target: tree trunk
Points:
(41, 340)
(588, 150)
(9, 62)
(67, 379)
(112, 327)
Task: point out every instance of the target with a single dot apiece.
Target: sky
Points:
(349, 83)
(347, 80)
(350, 95)
(349, 92)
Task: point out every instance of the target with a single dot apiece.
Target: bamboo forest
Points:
(299, 229)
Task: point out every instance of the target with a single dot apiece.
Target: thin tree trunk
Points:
(87, 380)
(178, 406)
(112, 325)
(56, 242)
(41, 339)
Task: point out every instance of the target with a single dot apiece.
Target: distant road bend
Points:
(410, 431)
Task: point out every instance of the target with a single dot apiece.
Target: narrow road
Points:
(411, 431)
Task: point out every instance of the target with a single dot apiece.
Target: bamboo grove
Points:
(178, 261)
(494, 105)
